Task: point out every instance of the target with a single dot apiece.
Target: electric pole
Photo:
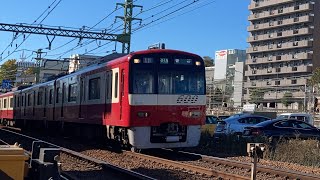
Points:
(38, 63)
(127, 22)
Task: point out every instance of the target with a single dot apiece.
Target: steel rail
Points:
(189, 167)
(109, 168)
(261, 168)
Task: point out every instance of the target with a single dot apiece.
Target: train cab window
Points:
(143, 82)
(50, 96)
(94, 88)
(11, 102)
(39, 100)
(72, 93)
(5, 103)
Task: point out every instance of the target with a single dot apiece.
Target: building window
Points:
(294, 68)
(280, 10)
(277, 83)
(278, 69)
(295, 43)
(295, 31)
(297, 7)
(296, 19)
(253, 84)
(294, 81)
(72, 93)
(278, 57)
(279, 34)
(279, 45)
(94, 88)
(268, 83)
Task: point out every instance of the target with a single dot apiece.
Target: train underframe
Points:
(167, 135)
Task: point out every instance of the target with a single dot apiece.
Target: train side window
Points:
(109, 85)
(94, 88)
(22, 103)
(50, 96)
(39, 100)
(72, 93)
(29, 100)
(11, 102)
(116, 84)
(5, 103)
(0, 104)
(57, 95)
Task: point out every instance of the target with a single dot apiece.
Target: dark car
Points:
(283, 128)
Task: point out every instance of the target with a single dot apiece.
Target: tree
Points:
(315, 79)
(286, 100)
(8, 70)
(32, 70)
(256, 95)
(208, 61)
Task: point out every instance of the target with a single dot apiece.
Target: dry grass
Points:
(303, 152)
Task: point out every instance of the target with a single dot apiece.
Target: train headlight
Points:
(143, 114)
(198, 63)
(136, 61)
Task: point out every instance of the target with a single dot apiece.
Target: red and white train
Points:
(147, 99)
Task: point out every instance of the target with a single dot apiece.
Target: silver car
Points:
(236, 124)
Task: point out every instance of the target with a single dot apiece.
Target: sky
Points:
(197, 26)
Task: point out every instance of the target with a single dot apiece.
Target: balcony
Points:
(285, 11)
(280, 58)
(258, 5)
(285, 22)
(279, 35)
(279, 70)
(280, 46)
(279, 95)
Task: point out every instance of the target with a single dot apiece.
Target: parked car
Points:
(283, 128)
(236, 124)
(299, 116)
(223, 117)
(210, 125)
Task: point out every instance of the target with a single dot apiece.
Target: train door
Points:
(108, 95)
(63, 98)
(115, 95)
(121, 94)
(45, 103)
(82, 107)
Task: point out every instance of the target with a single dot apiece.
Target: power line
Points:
(15, 37)
(30, 34)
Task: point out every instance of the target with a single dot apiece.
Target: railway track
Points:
(79, 166)
(209, 160)
(201, 172)
(211, 173)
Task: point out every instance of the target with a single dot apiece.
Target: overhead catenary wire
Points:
(16, 36)
(30, 34)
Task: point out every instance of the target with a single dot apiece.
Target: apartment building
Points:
(284, 48)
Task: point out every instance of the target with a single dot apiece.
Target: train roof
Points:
(118, 59)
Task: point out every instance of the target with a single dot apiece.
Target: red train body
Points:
(147, 99)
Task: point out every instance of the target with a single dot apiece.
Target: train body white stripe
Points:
(161, 99)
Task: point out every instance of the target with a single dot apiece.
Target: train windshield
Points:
(167, 76)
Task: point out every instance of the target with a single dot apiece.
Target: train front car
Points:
(166, 99)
